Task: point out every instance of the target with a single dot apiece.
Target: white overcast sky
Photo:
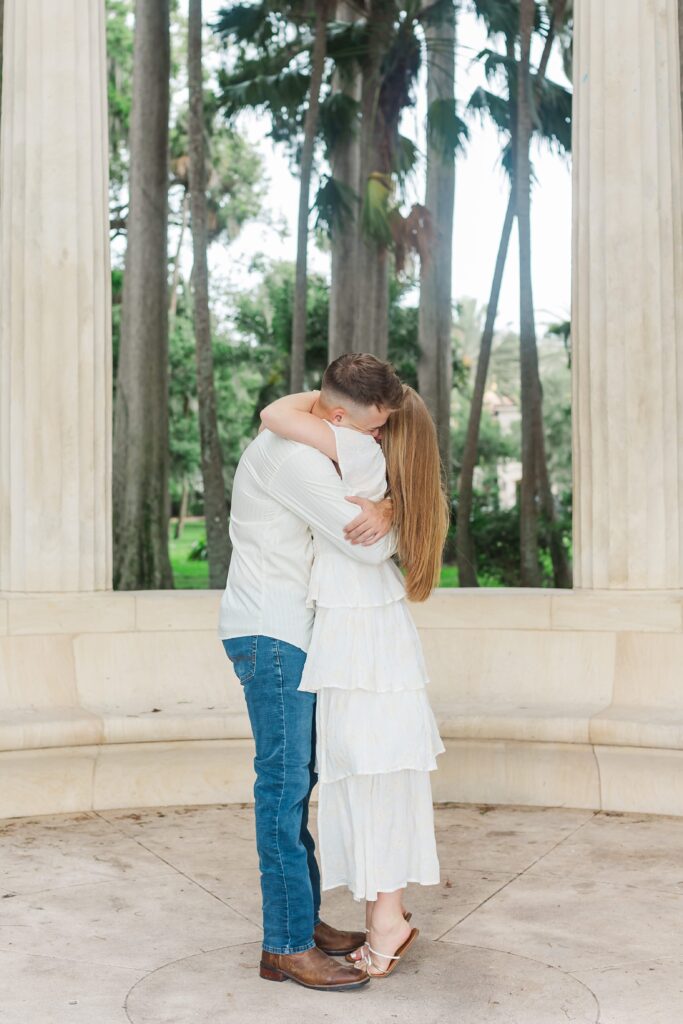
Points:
(480, 201)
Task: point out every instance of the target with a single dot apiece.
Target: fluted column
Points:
(55, 338)
(627, 315)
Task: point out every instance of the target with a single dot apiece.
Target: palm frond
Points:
(485, 103)
(266, 63)
(404, 157)
(554, 117)
(507, 160)
(334, 203)
(501, 17)
(243, 23)
(338, 119)
(347, 42)
(284, 91)
(446, 131)
(495, 62)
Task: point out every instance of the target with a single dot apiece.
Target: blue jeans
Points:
(283, 723)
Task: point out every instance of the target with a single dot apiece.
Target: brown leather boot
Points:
(312, 969)
(334, 942)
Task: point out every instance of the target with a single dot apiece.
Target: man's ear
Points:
(337, 415)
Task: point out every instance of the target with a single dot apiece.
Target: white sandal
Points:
(407, 914)
(372, 968)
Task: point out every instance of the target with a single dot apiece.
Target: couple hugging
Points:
(315, 623)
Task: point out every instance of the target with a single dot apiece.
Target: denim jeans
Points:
(283, 723)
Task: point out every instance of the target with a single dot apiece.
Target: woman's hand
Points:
(372, 523)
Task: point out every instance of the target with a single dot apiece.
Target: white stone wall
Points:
(542, 697)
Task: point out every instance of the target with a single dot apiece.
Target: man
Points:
(282, 489)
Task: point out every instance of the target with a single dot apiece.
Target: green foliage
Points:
(334, 204)
(119, 35)
(404, 350)
(188, 573)
(234, 166)
(234, 173)
(406, 154)
(269, 63)
(246, 23)
(551, 102)
(487, 104)
(446, 132)
(376, 209)
(338, 119)
(554, 117)
(501, 17)
(281, 91)
(183, 419)
(264, 321)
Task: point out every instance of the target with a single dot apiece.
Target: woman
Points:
(377, 739)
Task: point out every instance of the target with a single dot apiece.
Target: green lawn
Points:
(190, 575)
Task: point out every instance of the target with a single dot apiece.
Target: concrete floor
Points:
(543, 916)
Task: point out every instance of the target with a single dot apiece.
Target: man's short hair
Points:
(365, 380)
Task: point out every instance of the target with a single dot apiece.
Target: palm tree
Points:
(552, 105)
(140, 484)
(535, 491)
(343, 145)
(377, 147)
(384, 43)
(467, 576)
(298, 350)
(215, 505)
(528, 356)
(2, 25)
(680, 44)
(435, 365)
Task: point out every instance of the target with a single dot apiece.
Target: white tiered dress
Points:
(377, 740)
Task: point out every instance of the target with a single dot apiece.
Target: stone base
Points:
(543, 698)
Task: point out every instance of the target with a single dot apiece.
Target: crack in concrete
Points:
(184, 874)
(517, 876)
(71, 960)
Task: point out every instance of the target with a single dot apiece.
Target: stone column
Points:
(627, 296)
(55, 323)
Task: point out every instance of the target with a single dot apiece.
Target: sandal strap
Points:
(386, 955)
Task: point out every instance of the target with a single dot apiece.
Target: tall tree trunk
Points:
(435, 365)
(345, 166)
(298, 353)
(465, 549)
(175, 279)
(141, 454)
(530, 393)
(680, 46)
(2, 28)
(562, 574)
(467, 575)
(215, 504)
(372, 311)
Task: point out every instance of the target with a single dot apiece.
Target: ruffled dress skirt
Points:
(377, 739)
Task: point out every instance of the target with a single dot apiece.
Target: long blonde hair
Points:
(421, 512)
